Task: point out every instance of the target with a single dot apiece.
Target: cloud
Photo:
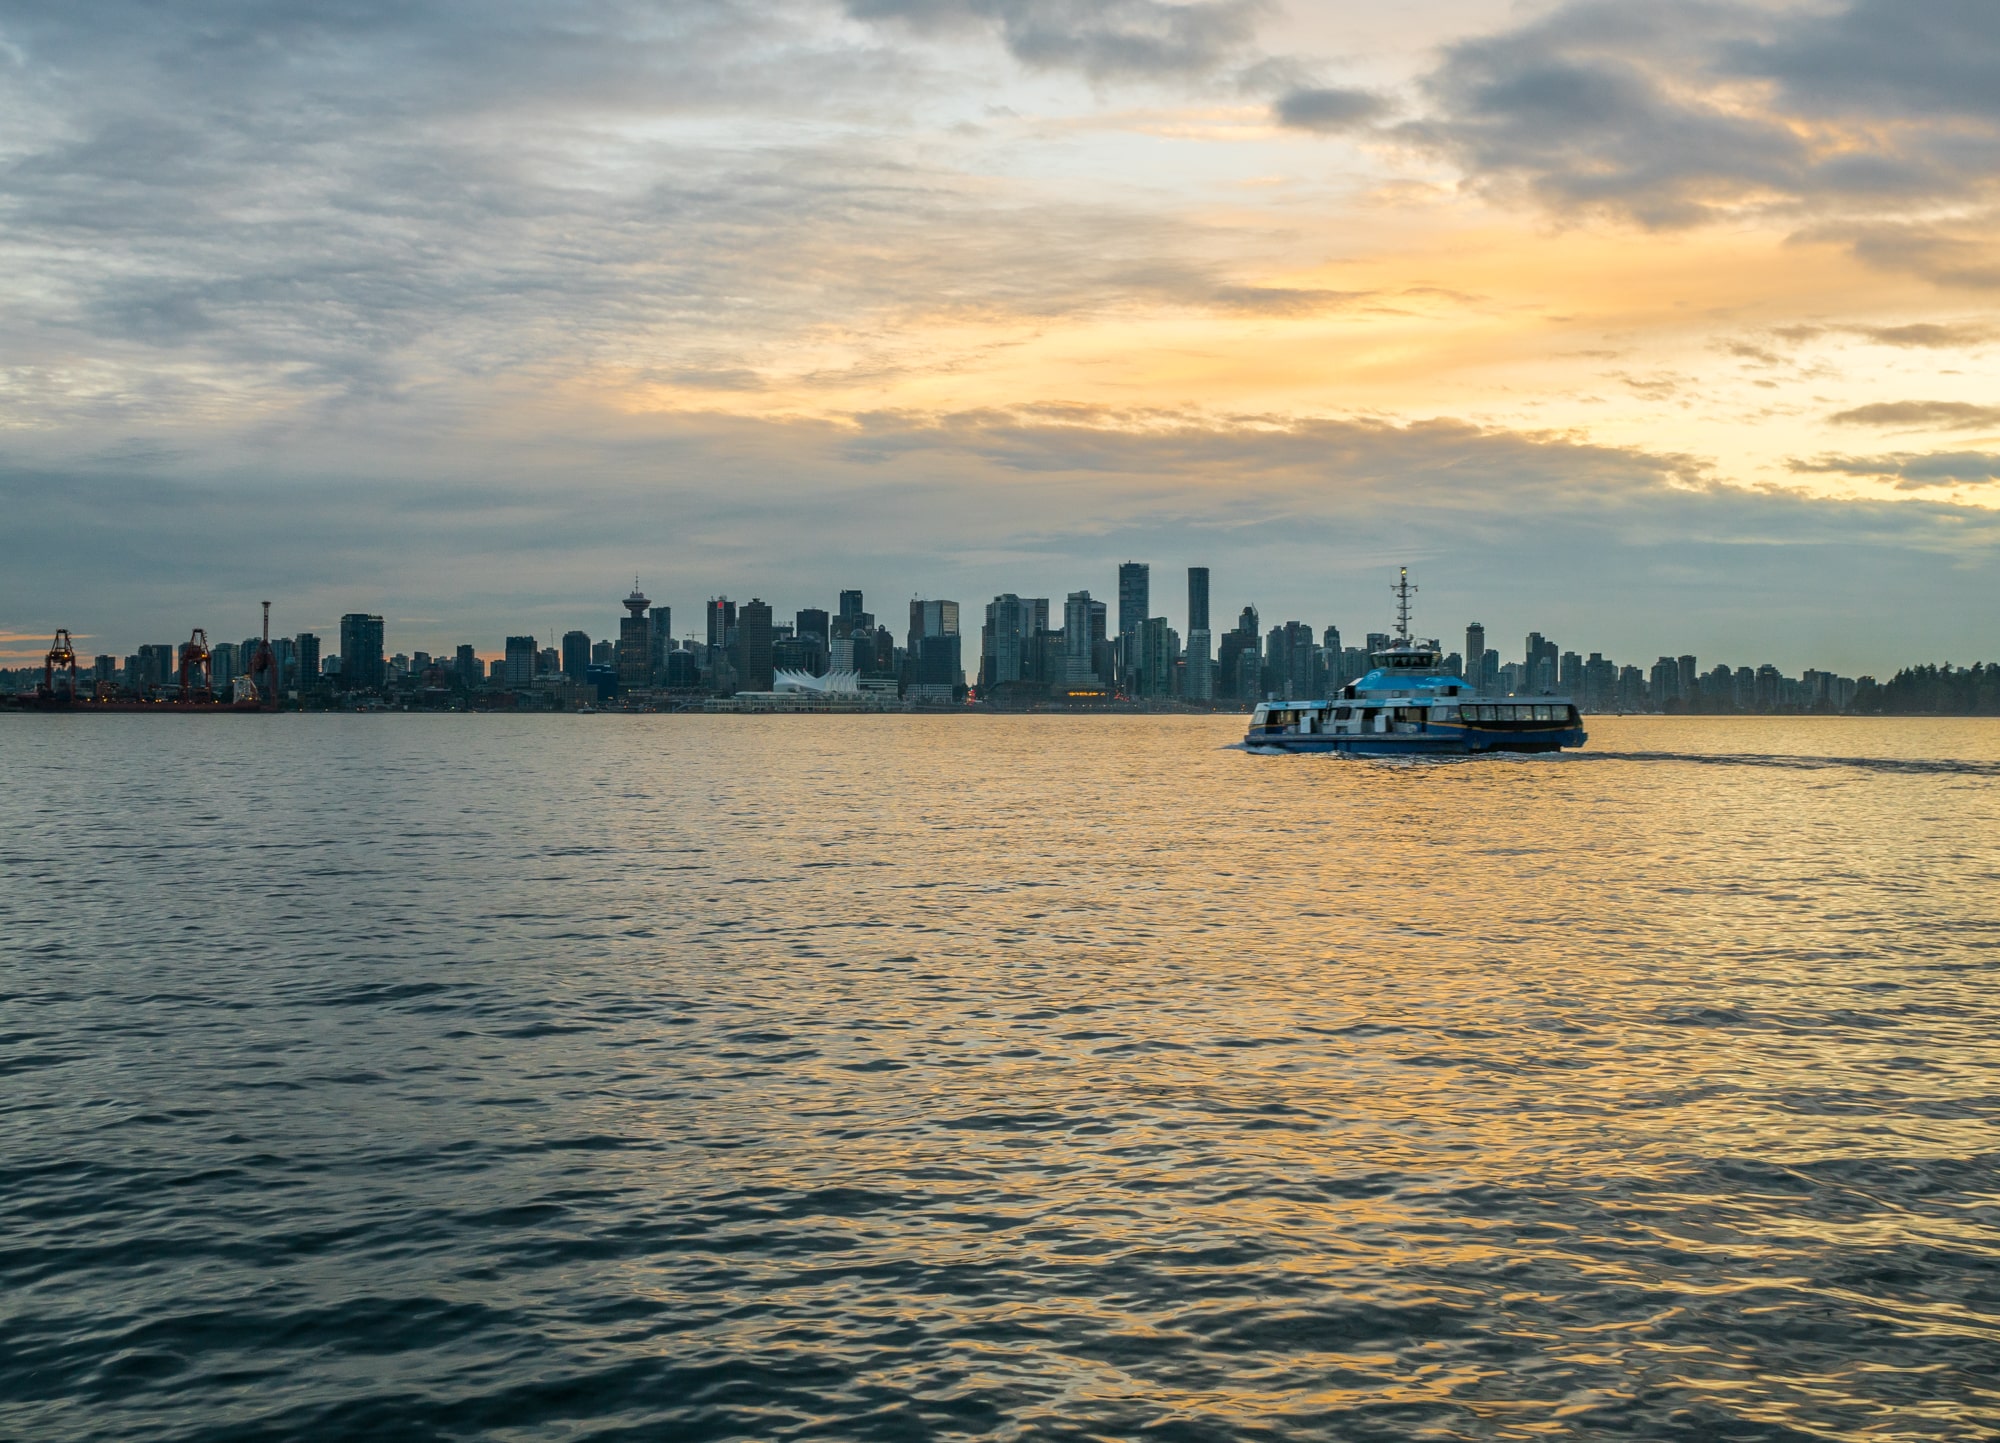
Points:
(1927, 415)
(1302, 517)
(1912, 472)
(1930, 336)
(1328, 111)
(1686, 111)
(1101, 38)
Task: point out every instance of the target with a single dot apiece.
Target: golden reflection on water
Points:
(1095, 1073)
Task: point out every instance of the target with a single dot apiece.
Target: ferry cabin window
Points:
(1343, 713)
(1542, 713)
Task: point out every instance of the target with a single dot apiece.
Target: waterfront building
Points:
(1135, 588)
(361, 664)
(517, 667)
(576, 654)
(465, 662)
(1079, 652)
(1198, 672)
(1008, 638)
(225, 664)
(1159, 649)
(308, 643)
(1240, 660)
(1666, 682)
(1689, 679)
(753, 641)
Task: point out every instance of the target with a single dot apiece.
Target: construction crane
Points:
(194, 658)
(62, 653)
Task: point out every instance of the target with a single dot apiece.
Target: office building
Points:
(753, 645)
(575, 654)
(1197, 599)
(813, 622)
(308, 658)
(661, 636)
(1475, 651)
(1197, 671)
(361, 664)
(465, 661)
(518, 666)
(1080, 615)
(1007, 641)
(850, 610)
(1159, 649)
(721, 623)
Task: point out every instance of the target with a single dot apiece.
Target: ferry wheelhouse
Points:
(1409, 705)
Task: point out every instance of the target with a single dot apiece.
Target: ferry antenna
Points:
(1402, 591)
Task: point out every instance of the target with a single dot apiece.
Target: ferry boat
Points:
(1409, 705)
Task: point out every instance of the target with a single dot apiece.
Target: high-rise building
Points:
(1475, 651)
(850, 609)
(465, 662)
(635, 641)
(308, 658)
(1134, 596)
(812, 622)
(660, 638)
(753, 643)
(1008, 638)
(721, 622)
(360, 652)
(1240, 660)
(1080, 614)
(1197, 599)
(519, 668)
(1197, 671)
(575, 654)
(1690, 677)
(1159, 646)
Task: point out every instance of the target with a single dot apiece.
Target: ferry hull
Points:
(1435, 742)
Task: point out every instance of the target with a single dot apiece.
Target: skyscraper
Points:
(1134, 596)
(520, 664)
(660, 640)
(850, 607)
(753, 642)
(721, 622)
(1475, 651)
(1012, 623)
(360, 652)
(576, 654)
(1079, 656)
(466, 664)
(812, 622)
(308, 658)
(635, 645)
(1197, 599)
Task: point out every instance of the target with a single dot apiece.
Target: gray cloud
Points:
(1643, 111)
(1928, 415)
(1591, 543)
(1101, 38)
(1328, 111)
(1912, 472)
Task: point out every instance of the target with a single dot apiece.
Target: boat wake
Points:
(1913, 766)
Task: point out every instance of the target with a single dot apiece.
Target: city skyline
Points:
(20, 649)
(1592, 313)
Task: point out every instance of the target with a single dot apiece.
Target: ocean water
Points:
(1019, 1077)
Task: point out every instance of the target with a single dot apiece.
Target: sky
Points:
(1657, 328)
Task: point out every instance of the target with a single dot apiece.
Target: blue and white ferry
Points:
(1409, 705)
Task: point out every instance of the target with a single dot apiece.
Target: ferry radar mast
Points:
(1402, 591)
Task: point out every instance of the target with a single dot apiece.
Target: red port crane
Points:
(194, 658)
(61, 653)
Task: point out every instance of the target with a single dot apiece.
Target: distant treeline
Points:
(1932, 691)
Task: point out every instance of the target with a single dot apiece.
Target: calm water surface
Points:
(1066, 1078)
